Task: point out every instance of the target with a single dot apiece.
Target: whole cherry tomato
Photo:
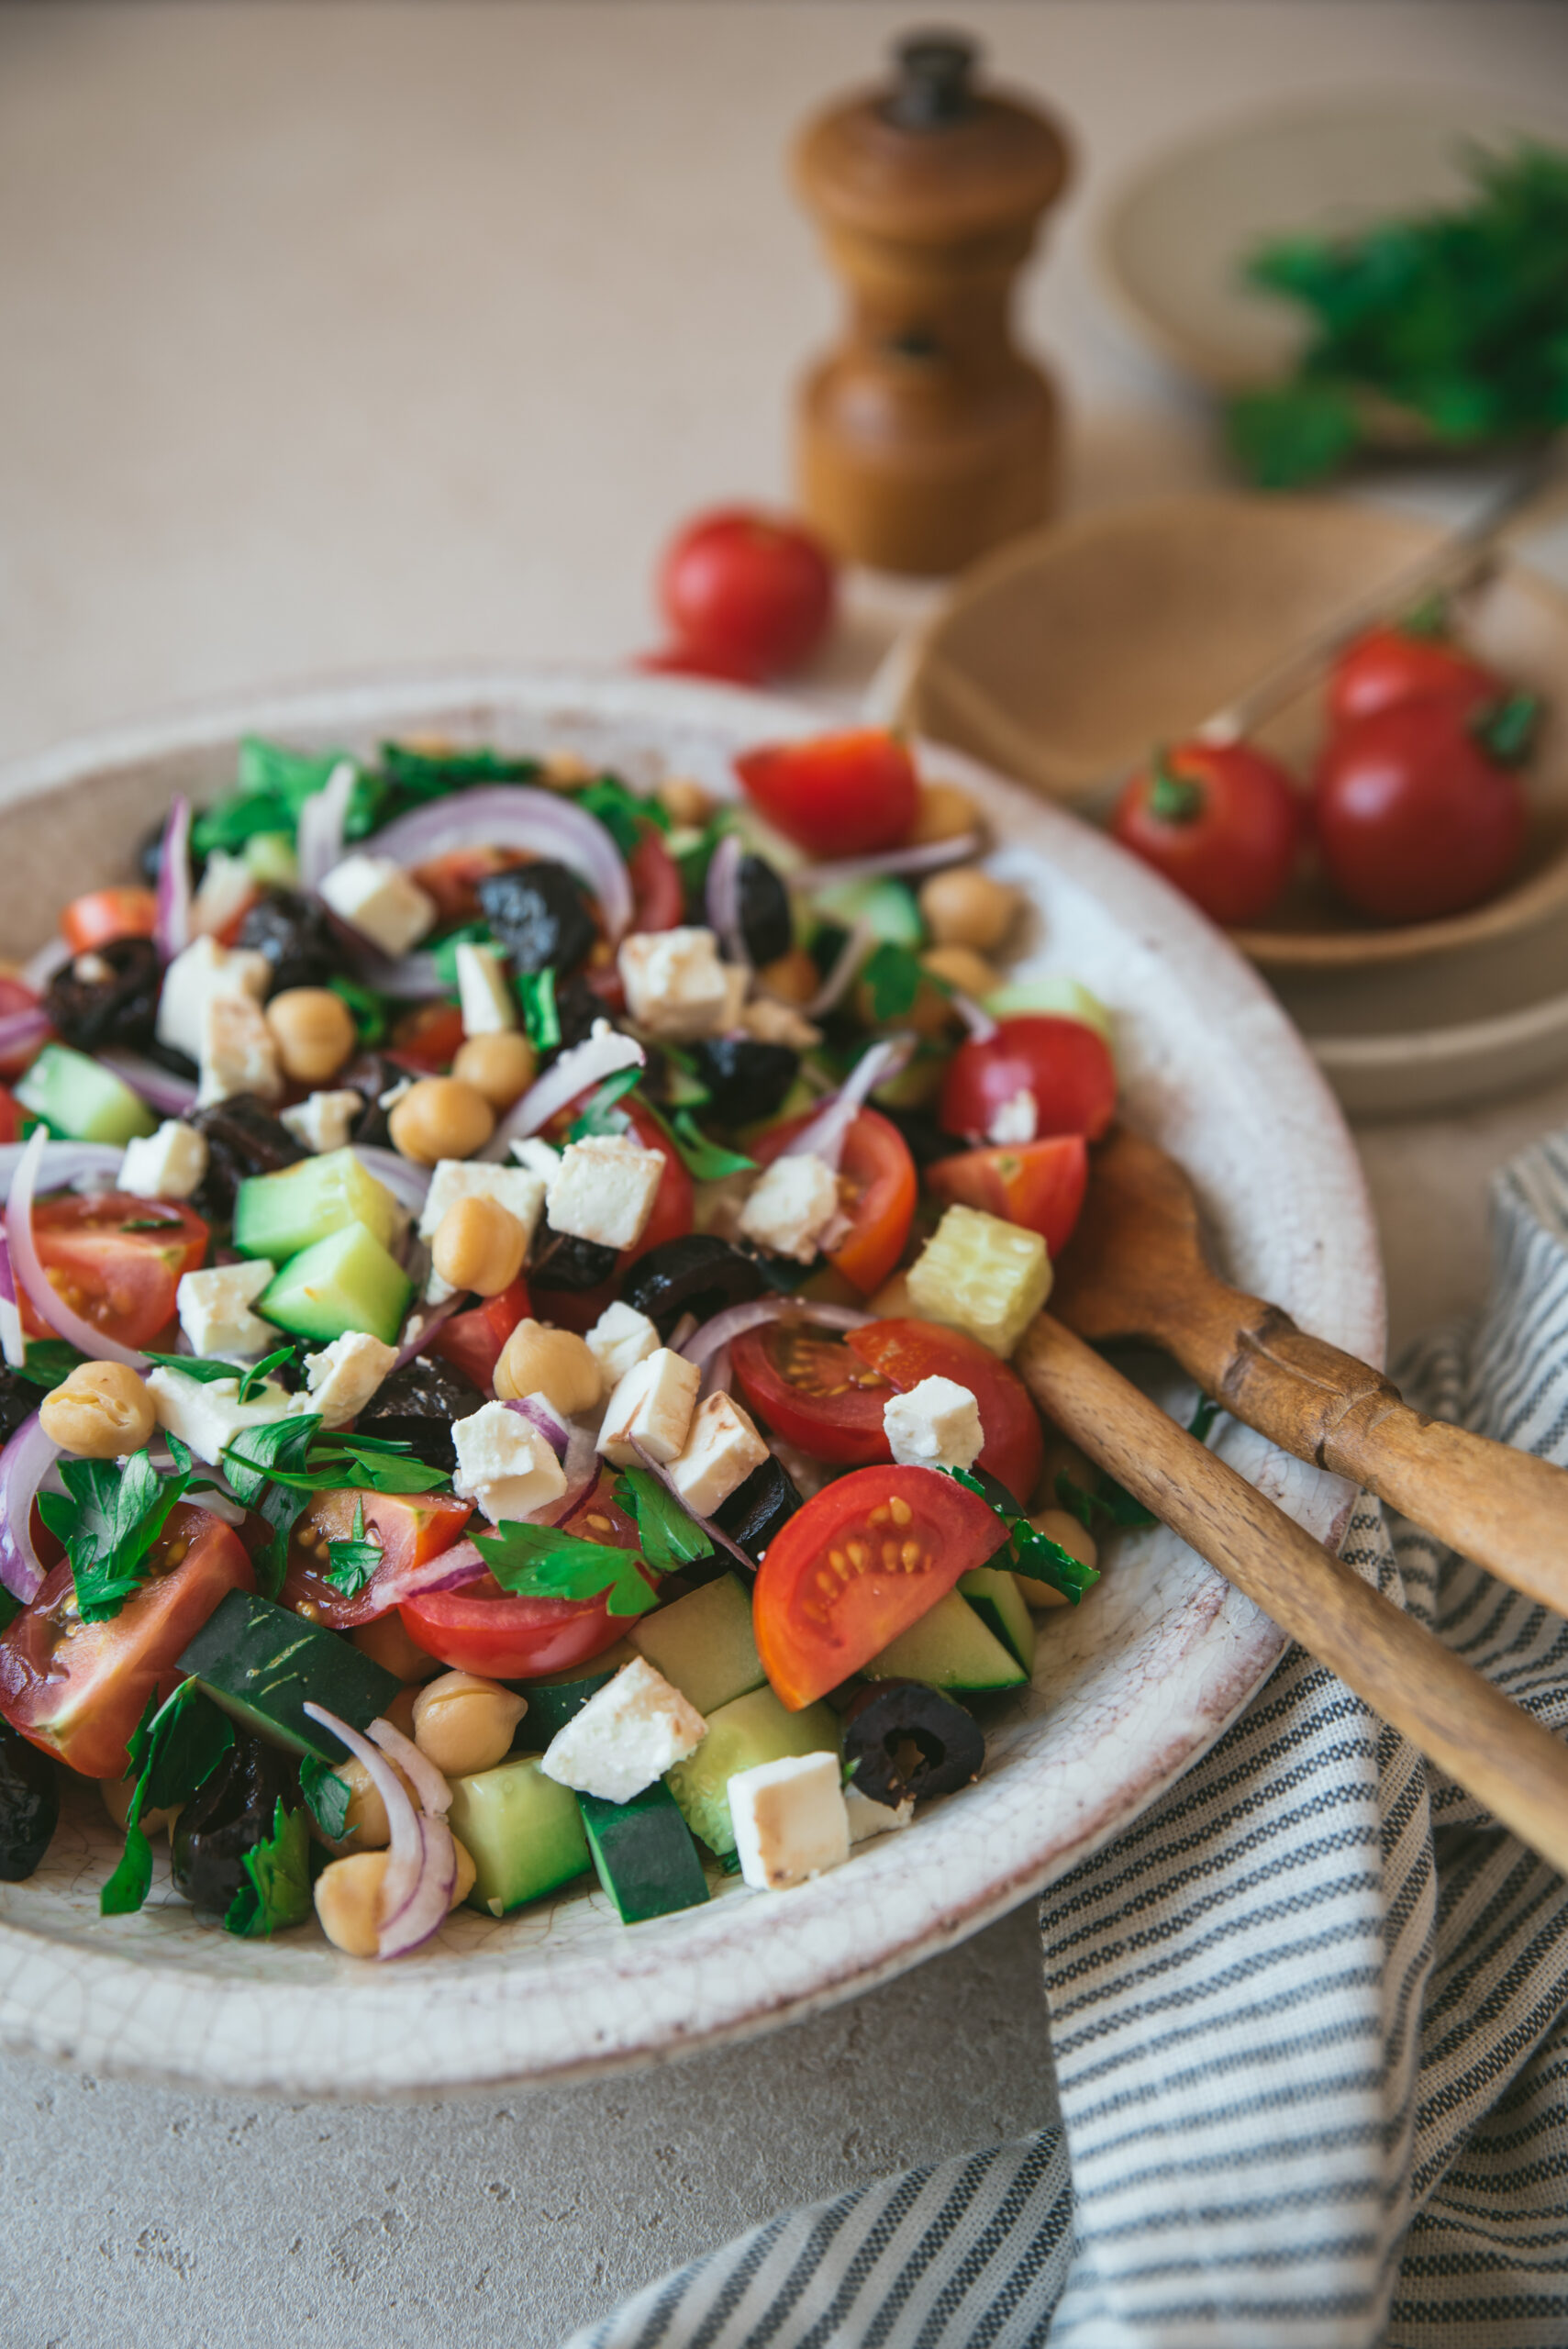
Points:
(1063, 1067)
(835, 794)
(1219, 821)
(1419, 810)
(748, 596)
(1389, 665)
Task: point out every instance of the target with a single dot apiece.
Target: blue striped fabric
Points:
(1309, 2014)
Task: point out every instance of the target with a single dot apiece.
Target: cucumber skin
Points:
(644, 1854)
(59, 1076)
(998, 1600)
(261, 1663)
(523, 1832)
(385, 1286)
(277, 1216)
(949, 1647)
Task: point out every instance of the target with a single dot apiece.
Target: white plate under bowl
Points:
(1129, 1690)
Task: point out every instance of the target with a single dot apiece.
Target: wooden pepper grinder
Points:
(927, 437)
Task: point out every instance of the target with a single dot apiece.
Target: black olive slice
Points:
(107, 996)
(766, 929)
(417, 1405)
(906, 1739)
(19, 1398)
(925, 1138)
(756, 1511)
(297, 938)
(29, 1804)
(747, 1079)
(566, 1262)
(698, 1274)
(243, 1138)
(538, 914)
(229, 1817)
(576, 1009)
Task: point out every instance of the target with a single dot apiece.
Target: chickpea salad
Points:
(507, 1291)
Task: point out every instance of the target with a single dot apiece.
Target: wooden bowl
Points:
(1066, 656)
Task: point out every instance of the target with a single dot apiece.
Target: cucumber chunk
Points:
(1059, 997)
(948, 1648)
(644, 1854)
(560, 1697)
(345, 1282)
(887, 908)
(263, 1665)
(77, 1098)
(523, 1832)
(703, 1645)
(753, 1729)
(999, 1603)
(277, 1215)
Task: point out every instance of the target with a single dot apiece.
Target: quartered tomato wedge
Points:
(119, 1277)
(79, 1689)
(1064, 1067)
(429, 1039)
(813, 1392)
(484, 1628)
(903, 1352)
(1038, 1184)
(878, 1187)
(103, 915)
(863, 1560)
(837, 795)
(411, 1528)
(471, 1341)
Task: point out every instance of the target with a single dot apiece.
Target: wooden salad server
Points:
(1460, 1720)
(1135, 1267)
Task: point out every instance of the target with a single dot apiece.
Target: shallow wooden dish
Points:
(1063, 658)
(1128, 1691)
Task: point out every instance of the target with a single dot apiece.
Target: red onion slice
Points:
(511, 815)
(540, 1413)
(13, 1344)
(588, 1063)
(893, 863)
(703, 1344)
(825, 1137)
(160, 1088)
(83, 1165)
(24, 1464)
(435, 1795)
(30, 1271)
(319, 841)
(721, 899)
(172, 927)
(841, 975)
(421, 1868)
(389, 1586)
(40, 968)
(407, 1183)
(429, 1900)
(974, 1015)
(422, 1326)
(20, 1030)
(719, 1378)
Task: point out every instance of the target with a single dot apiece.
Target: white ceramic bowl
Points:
(1128, 1690)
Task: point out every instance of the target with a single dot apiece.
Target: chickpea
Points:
(117, 1793)
(966, 907)
(944, 813)
(963, 968)
(314, 1031)
(440, 1116)
(1063, 1458)
(501, 1066)
(101, 1410)
(464, 1723)
(348, 1898)
(387, 1644)
(537, 1360)
(685, 802)
(479, 1244)
(794, 976)
(400, 1712)
(366, 1827)
(1060, 1526)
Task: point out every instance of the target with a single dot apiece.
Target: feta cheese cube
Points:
(323, 1121)
(1016, 1121)
(935, 1425)
(239, 1052)
(505, 1463)
(344, 1376)
(722, 1449)
(604, 1190)
(541, 1158)
(169, 1165)
(628, 1734)
(483, 993)
(381, 901)
(676, 985)
(215, 1310)
(790, 1819)
(867, 1818)
(790, 1206)
(619, 1339)
(203, 971)
(208, 1417)
(652, 1406)
(228, 886)
(779, 1023)
(516, 1188)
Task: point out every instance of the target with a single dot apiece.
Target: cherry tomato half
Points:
(905, 1351)
(865, 1558)
(103, 915)
(1416, 817)
(837, 794)
(813, 1392)
(658, 891)
(79, 1689)
(1064, 1067)
(1386, 666)
(747, 595)
(120, 1279)
(1220, 821)
(410, 1528)
(1038, 1184)
(429, 1039)
(484, 1628)
(877, 1187)
(473, 1341)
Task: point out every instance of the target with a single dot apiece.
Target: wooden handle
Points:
(1508, 1761)
(1506, 1509)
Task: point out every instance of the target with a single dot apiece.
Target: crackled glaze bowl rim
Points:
(1215, 1070)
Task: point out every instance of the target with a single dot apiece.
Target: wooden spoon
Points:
(1502, 1757)
(1135, 1268)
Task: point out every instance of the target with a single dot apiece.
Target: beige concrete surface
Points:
(347, 334)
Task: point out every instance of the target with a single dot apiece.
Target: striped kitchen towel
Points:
(1308, 2014)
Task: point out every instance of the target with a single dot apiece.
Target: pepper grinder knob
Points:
(935, 71)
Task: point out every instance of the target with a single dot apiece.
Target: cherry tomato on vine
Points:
(748, 594)
(1389, 665)
(1063, 1066)
(1420, 811)
(1221, 822)
(835, 794)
